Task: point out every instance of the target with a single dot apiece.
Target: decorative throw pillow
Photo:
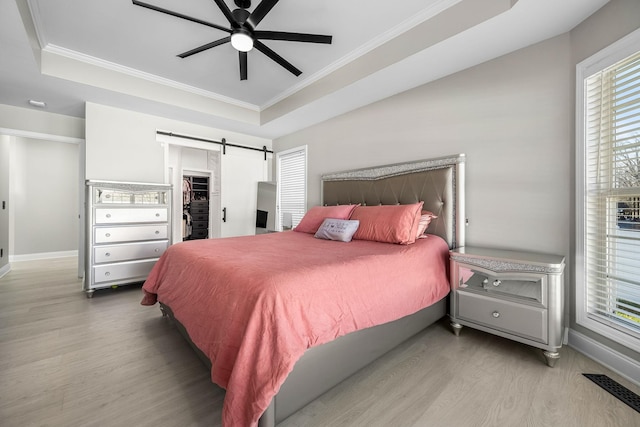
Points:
(337, 229)
(388, 223)
(314, 216)
(423, 224)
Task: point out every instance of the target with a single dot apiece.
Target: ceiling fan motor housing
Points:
(245, 4)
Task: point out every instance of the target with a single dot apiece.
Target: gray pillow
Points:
(337, 229)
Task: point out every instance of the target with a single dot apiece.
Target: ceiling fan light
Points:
(241, 41)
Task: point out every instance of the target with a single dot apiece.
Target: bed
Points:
(281, 318)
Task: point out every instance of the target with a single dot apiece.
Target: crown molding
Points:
(417, 19)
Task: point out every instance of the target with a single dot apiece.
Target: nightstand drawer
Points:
(507, 316)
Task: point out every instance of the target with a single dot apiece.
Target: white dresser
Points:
(128, 228)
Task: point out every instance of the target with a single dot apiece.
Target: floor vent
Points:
(618, 390)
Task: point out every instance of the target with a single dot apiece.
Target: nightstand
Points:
(516, 295)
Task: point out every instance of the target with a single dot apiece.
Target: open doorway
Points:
(42, 198)
(195, 178)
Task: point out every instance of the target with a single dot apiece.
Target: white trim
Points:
(608, 56)
(43, 255)
(4, 270)
(185, 142)
(379, 40)
(112, 66)
(34, 10)
(38, 135)
(617, 362)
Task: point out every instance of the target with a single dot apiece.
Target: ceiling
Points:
(68, 52)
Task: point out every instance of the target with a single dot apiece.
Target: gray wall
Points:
(514, 117)
(510, 116)
(44, 197)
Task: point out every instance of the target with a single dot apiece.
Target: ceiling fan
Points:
(243, 34)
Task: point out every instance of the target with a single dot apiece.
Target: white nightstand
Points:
(516, 295)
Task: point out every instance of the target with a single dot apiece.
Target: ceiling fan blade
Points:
(293, 37)
(180, 15)
(225, 11)
(260, 11)
(243, 65)
(277, 58)
(205, 47)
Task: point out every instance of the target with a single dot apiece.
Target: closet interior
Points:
(195, 204)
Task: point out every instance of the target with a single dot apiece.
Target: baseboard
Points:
(4, 270)
(42, 255)
(617, 362)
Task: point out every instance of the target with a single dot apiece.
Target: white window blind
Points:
(292, 186)
(612, 196)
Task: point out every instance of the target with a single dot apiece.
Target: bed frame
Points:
(440, 184)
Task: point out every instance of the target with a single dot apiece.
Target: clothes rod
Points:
(224, 142)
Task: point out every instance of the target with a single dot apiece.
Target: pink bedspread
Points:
(254, 304)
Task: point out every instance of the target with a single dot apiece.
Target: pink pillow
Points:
(423, 224)
(388, 223)
(312, 220)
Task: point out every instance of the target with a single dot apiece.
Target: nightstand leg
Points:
(552, 357)
(456, 328)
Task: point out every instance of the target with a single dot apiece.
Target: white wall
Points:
(44, 198)
(121, 145)
(510, 116)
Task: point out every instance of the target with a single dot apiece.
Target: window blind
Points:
(292, 186)
(612, 195)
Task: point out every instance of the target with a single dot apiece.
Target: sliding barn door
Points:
(241, 171)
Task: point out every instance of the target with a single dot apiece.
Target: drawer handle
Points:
(495, 314)
(497, 283)
(107, 235)
(107, 254)
(108, 215)
(107, 273)
(158, 215)
(156, 250)
(157, 231)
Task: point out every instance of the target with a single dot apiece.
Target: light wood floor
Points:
(66, 360)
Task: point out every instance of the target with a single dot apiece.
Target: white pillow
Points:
(337, 229)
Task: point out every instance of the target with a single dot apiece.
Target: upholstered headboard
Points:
(439, 183)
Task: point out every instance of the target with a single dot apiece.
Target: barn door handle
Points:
(224, 214)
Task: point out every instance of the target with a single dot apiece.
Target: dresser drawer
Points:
(130, 233)
(200, 224)
(507, 316)
(130, 215)
(129, 251)
(199, 209)
(200, 217)
(122, 271)
(200, 233)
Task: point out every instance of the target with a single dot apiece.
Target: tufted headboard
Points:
(439, 183)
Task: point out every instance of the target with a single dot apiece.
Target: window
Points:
(292, 187)
(608, 193)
